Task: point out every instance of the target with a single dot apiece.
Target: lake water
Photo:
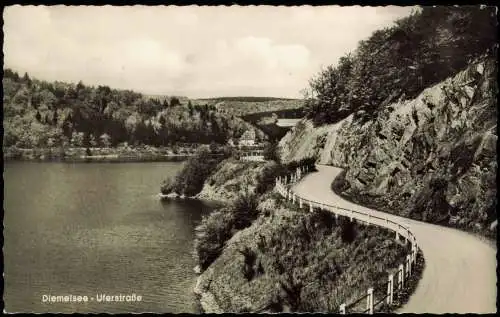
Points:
(97, 228)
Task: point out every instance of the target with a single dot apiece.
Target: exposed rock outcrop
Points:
(431, 158)
(231, 179)
(304, 140)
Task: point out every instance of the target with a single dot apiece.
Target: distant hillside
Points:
(248, 99)
(240, 106)
(261, 112)
(162, 98)
(40, 114)
(266, 121)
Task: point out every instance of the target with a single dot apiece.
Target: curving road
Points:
(460, 269)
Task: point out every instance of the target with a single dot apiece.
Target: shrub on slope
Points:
(190, 180)
(290, 260)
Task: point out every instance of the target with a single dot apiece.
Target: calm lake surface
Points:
(88, 229)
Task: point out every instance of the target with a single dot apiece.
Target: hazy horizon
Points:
(193, 51)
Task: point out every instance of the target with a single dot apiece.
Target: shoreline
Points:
(206, 299)
(210, 201)
(102, 160)
(75, 155)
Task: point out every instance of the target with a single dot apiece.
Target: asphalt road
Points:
(460, 268)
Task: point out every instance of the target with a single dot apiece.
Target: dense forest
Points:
(42, 114)
(250, 99)
(398, 62)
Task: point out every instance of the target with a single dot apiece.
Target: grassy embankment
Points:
(292, 260)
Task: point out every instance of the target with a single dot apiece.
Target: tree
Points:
(27, 79)
(105, 140)
(146, 108)
(417, 52)
(174, 101)
(92, 141)
(55, 118)
(50, 142)
(142, 133)
(245, 210)
(80, 86)
(211, 234)
(162, 121)
(131, 121)
(165, 103)
(190, 107)
(67, 127)
(271, 152)
(9, 73)
(77, 139)
(213, 147)
(111, 108)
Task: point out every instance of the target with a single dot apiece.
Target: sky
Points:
(187, 51)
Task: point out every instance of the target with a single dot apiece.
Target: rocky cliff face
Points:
(304, 140)
(431, 158)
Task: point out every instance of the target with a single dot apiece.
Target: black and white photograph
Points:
(250, 159)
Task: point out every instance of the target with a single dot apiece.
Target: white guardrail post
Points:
(407, 236)
(401, 276)
(415, 253)
(342, 309)
(390, 289)
(408, 260)
(369, 301)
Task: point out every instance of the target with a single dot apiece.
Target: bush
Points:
(197, 169)
(249, 261)
(211, 235)
(349, 231)
(244, 210)
(309, 162)
(168, 186)
(430, 203)
(218, 227)
(340, 184)
(271, 152)
(313, 262)
(266, 179)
